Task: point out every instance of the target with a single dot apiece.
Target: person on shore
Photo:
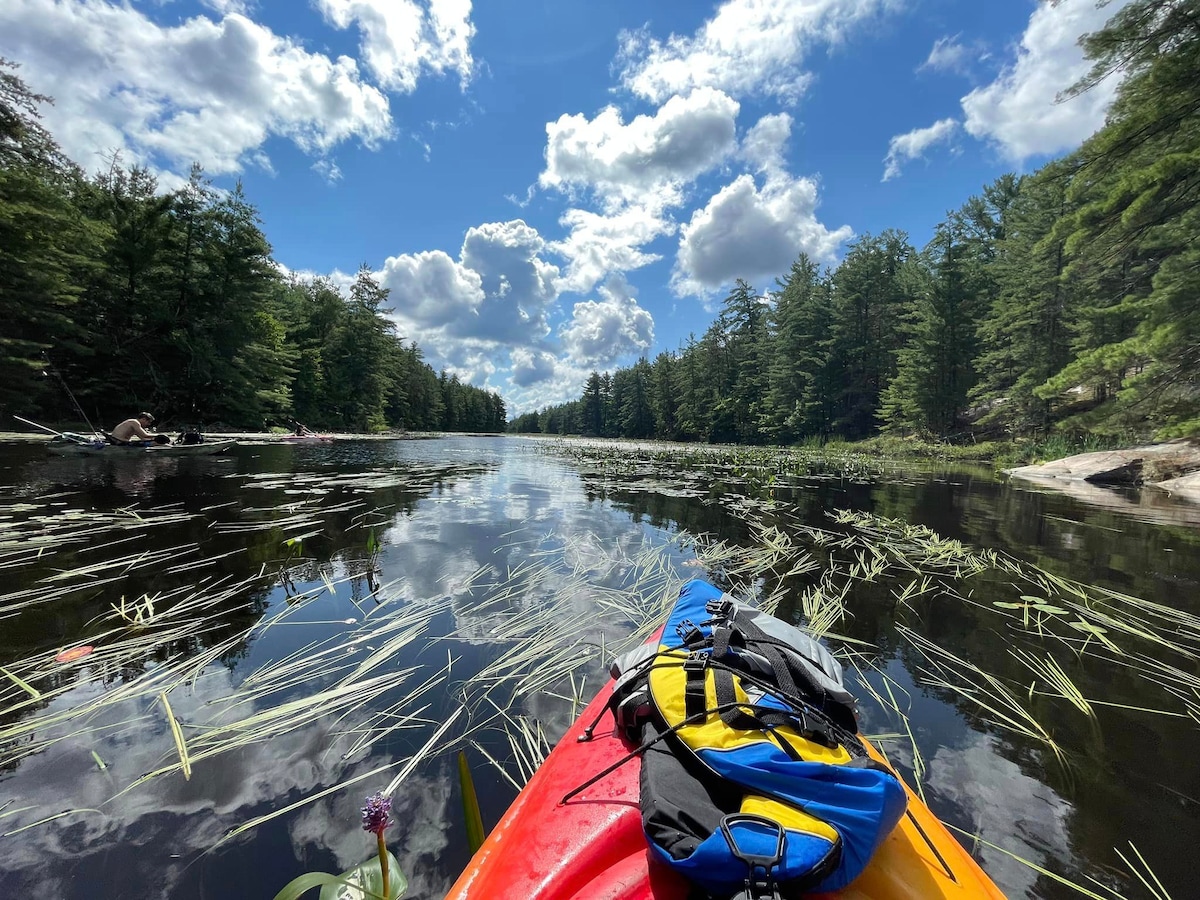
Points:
(302, 431)
(135, 429)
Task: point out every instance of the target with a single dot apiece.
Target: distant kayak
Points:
(83, 445)
(594, 848)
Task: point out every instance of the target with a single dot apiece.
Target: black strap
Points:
(694, 700)
(792, 677)
(735, 715)
(721, 635)
(812, 723)
(638, 751)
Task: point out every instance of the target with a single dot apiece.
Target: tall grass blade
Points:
(177, 733)
(471, 812)
(23, 685)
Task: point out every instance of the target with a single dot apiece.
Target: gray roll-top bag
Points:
(632, 700)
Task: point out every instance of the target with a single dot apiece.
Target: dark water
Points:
(398, 525)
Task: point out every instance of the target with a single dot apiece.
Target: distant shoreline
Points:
(268, 437)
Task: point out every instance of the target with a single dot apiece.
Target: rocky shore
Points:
(1172, 467)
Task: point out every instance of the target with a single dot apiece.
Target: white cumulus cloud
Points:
(531, 367)
(948, 54)
(635, 171)
(212, 91)
(601, 331)
(623, 161)
(565, 385)
(401, 39)
(764, 144)
(597, 244)
(466, 313)
(905, 148)
(747, 47)
(430, 290)
(753, 232)
(519, 286)
(1018, 110)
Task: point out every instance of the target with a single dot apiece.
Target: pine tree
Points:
(743, 340)
(934, 371)
(868, 306)
(800, 396)
(637, 416)
(1025, 335)
(691, 420)
(1133, 239)
(593, 406)
(663, 399)
(47, 248)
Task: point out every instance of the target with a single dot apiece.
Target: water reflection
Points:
(1003, 806)
(345, 535)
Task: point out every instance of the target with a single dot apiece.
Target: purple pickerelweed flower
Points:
(375, 814)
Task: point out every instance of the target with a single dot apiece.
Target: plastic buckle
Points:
(719, 608)
(696, 661)
(757, 886)
(689, 634)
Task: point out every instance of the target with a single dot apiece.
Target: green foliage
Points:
(1133, 235)
(869, 301)
(1065, 302)
(934, 367)
(363, 882)
(170, 300)
(1056, 446)
(1025, 333)
(45, 246)
(471, 813)
(803, 383)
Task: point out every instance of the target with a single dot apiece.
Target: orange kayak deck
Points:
(593, 847)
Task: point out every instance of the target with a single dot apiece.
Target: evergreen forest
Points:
(132, 298)
(1066, 299)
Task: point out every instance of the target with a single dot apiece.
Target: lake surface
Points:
(403, 581)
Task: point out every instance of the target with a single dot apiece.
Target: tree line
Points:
(135, 298)
(1067, 298)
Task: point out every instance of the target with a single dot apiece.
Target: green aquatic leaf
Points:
(366, 881)
(1051, 609)
(1004, 604)
(363, 882)
(474, 818)
(23, 685)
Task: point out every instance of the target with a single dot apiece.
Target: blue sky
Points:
(552, 186)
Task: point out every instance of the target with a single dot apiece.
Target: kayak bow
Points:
(593, 847)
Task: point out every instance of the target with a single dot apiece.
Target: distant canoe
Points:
(308, 438)
(71, 447)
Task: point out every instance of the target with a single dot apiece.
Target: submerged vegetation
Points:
(189, 612)
(1062, 300)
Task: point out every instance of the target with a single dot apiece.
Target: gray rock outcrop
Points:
(1173, 467)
